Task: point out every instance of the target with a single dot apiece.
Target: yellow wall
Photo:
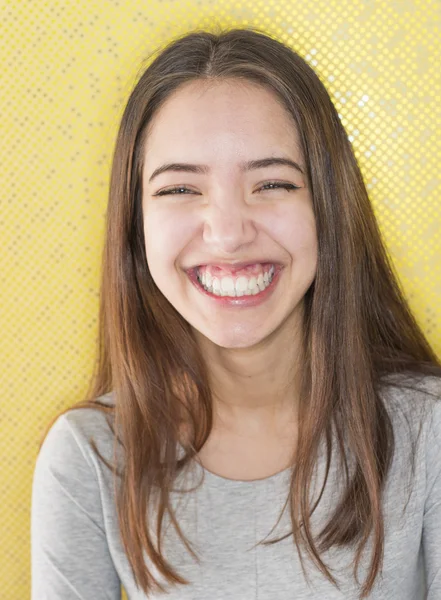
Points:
(67, 68)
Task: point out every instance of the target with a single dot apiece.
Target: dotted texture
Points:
(67, 69)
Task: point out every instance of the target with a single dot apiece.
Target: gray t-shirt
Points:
(77, 554)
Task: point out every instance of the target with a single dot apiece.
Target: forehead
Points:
(228, 119)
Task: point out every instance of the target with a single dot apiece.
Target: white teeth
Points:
(242, 287)
(227, 284)
(252, 283)
(216, 286)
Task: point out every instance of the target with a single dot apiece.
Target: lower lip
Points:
(237, 301)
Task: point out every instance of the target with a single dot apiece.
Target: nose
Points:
(228, 226)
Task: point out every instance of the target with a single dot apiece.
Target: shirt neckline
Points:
(221, 481)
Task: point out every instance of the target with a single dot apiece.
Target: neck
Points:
(256, 389)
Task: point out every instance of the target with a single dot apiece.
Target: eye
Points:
(276, 185)
(173, 191)
(287, 186)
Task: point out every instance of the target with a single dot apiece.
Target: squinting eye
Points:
(173, 191)
(176, 190)
(286, 186)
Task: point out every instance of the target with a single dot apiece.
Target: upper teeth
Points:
(243, 286)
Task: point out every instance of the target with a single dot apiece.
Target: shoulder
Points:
(411, 395)
(414, 404)
(69, 441)
(73, 516)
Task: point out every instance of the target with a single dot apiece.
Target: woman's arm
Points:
(70, 557)
(432, 511)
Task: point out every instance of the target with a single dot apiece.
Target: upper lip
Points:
(235, 264)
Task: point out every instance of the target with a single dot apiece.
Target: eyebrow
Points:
(244, 166)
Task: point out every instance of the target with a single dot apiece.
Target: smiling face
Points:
(233, 253)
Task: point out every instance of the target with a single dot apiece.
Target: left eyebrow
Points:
(244, 166)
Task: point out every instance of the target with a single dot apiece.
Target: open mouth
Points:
(243, 287)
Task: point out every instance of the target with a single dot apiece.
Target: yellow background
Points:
(66, 70)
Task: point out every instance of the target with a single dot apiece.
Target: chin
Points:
(234, 339)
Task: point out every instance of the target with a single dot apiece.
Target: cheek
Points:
(166, 233)
(294, 229)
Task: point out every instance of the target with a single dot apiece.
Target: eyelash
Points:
(172, 191)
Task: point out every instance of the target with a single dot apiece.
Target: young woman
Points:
(265, 421)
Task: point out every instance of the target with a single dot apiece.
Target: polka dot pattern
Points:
(67, 69)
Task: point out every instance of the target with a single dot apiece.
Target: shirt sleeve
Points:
(70, 558)
(431, 535)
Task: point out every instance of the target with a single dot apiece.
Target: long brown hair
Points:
(358, 327)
